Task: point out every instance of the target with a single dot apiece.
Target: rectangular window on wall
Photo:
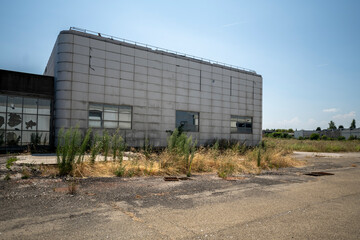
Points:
(239, 124)
(23, 118)
(109, 116)
(187, 121)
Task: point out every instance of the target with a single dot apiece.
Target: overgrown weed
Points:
(10, 161)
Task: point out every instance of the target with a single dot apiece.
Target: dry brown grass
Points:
(225, 163)
(314, 145)
(49, 170)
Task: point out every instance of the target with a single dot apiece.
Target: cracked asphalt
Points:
(283, 204)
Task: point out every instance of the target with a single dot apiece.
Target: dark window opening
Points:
(188, 121)
(240, 124)
(110, 116)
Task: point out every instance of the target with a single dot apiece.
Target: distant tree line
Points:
(288, 133)
(279, 133)
(332, 126)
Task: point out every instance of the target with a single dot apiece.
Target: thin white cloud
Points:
(312, 121)
(349, 115)
(330, 110)
(292, 123)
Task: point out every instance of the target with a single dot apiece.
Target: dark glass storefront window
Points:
(23, 117)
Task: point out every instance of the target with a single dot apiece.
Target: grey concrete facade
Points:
(92, 69)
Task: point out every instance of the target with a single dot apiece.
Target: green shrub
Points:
(95, 147)
(115, 142)
(183, 149)
(84, 146)
(301, 138)
(120, 171)
(352, 137)
(216, 146)
(258, 158)
(277, 135)
(341, 138)
(314, 136)
(106, 144)
(263, 144)
(324, 137)
(69, 146)
(10, 161)
(25, 174)
(121, 149)
(226, 169)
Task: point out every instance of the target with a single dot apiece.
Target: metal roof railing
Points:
(159, 49)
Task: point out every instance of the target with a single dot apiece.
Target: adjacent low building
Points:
(105, 83)
(26, 110)
(336, 133)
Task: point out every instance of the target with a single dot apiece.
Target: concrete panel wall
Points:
(91, 69)
(351, 132)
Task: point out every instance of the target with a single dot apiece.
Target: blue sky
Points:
(308, 52)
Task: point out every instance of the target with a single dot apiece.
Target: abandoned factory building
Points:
(105, 83)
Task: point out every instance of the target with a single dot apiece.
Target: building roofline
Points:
(26, 73)
(129, 43)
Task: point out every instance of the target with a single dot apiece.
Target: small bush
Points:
(301, 138)
(352, 138)
(95, 147)
(84, 145)
(258, 158)
(69, 146)
(314, 136)
(324, 137)
(10, 161)
(263, 144)
(182, 149)
(120, 171)
(121, 149)
(226, 169)
(106, 144)
(341, 138)
(25, 174)
(118, 146)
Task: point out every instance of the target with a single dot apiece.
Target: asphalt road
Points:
(284, 204)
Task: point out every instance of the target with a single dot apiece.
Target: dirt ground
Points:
(279, 204)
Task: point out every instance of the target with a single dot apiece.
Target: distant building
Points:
(350, 132)
(329, 133)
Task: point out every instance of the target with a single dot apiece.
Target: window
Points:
(188, 121)
(22, 117)
(109, 116)
(241, 124)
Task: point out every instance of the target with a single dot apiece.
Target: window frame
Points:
(101, 113)
(241, 130)
(194, 114)
(28, 109)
